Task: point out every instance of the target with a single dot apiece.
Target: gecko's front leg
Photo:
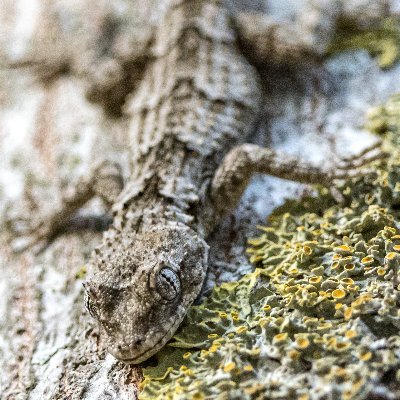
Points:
(244, 161)
(104, 181)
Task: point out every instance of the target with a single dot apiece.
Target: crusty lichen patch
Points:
(382, 41)
(319, 317)
(385, 120)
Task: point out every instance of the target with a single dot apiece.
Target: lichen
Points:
(319, 317)
(382, 41)
(385, 120)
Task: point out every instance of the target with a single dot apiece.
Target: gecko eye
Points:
(168, 284)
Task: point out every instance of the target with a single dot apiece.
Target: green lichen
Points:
(318, 318)
(382, 41)
(385, 120)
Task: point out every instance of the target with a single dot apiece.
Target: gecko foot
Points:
(353, 166)
(37, 237)
(41, 235)
(38, 232)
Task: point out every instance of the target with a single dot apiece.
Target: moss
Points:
(306, 322)
(382, 41)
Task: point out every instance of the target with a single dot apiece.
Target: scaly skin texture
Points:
(184, 118)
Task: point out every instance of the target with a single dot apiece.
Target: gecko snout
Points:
(123, 351)
(124, 348)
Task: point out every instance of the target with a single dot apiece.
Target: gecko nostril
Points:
(138, 342)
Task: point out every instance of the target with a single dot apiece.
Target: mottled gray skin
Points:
(198, 98)
(195, 100)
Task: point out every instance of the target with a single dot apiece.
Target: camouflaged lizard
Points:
(197, 100)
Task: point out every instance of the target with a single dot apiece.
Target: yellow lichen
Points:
(257, 387)
(343, 249)
(241, 329)
(280, 337)
(347, 281)
(324, 326)
(367, 260)
(204, 353)
(342, 346)
(348, 312)
(350, 334)
(302, 342)
(361, 300)
(188, 372)
(365, 356)
(212, 335)
(349, 267)
(214, 348)
(339, 294)
(229, 367)
(307, 250)
(294, 355)
(391, 255)
(263, 322)
(381, 271)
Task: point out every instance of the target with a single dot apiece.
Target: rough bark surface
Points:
(50, 135)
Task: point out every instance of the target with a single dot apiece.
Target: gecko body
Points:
(198, 98)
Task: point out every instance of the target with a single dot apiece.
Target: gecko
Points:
(196, 99)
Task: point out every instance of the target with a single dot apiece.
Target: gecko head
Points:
(140, 287)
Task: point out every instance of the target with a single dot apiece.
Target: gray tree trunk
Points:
(50, 135)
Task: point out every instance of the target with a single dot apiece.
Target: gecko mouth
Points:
(150, 351)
